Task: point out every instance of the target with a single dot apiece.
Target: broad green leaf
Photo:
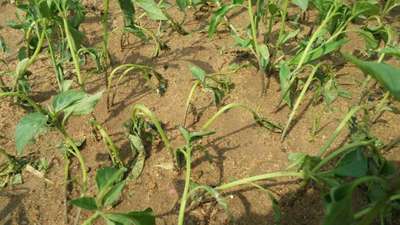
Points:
(303, 4)
(107, 176)
(198, 73)
(87, 203)
(388, 76)
(284, 80)
(218, 16)
(182, 4)
(264, 55)
(145, 217)
(84, 106)
(66, 99)
(152, 10)
(319, 52)
(339, 205)
(28, 128)
(138, 149)
(353, 164)
(365, 8)
(114, 194)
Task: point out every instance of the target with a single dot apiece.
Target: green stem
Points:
(298, 101)
(104, 18)
(252, 179)
(283, 21)
(72, 48)
(184, 198)
(92, 218)
(342, 125)
(31, 60)
(253, 29)
(191, 94)
(223, 110)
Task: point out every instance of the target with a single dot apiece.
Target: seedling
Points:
(146, 71)
(216, 83)
(110, 184)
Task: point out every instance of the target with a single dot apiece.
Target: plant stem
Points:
(191, 94)
(283, 21)
(73, 51)
(31, 60)
(253, 29)
(249, 180)
(342, 124)
(298, 101)
(221, 111)
(104, 18)
(184, 198)
(92, 218)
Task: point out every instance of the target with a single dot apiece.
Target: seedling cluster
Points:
(52, 29)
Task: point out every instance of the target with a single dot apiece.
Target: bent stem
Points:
(342, 125)
(185, 195)
(298, 101)
(143, 110)
(250, 180)
(189, 99)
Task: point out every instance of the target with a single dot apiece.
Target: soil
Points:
(238, 149)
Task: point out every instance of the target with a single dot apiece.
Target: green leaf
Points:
(28, 128)
(114, 194)
(182, 4)
(152, 10)
(198, 73)
(391, 51)
(87, 203)
(66, 99)
(339, 205)
(84, 106)
(284, 81)
(388, 76)
(218, 16)
(145, 217)
(365, 8)
(128, 12)
(319, 52)
(353, 164)
(22, 67)
(107, 176)
(369, 38)
(303, 4)
(264, 55)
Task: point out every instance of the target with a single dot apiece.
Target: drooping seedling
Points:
(110, 183)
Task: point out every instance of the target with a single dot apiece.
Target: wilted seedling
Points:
(110, 183)
(122, 70)
(10, 169)
(216, 83)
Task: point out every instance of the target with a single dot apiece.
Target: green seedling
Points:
(110, 184)
(63, 106)
(216, 83)
(122, 70)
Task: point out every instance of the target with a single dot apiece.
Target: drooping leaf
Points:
(28, 128)
(218, 16)
(264, 56)
(317, 53)
(138, 148)
(66, 99)
(388, 76)
(128, 12)
(353, 164)
(152, 10)
(370, 41)
(198, 73)
(87, 203)
(107, 176)
(84, 106)
(114, 194)
(303, 4)
(145, 217)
